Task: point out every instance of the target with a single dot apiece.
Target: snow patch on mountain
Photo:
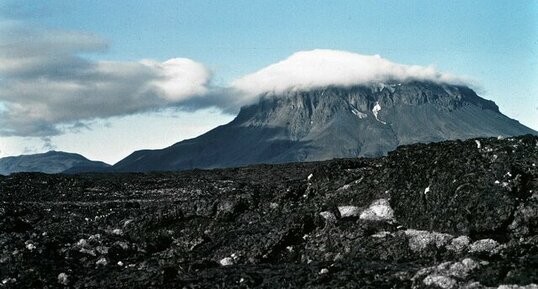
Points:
(376, 110)
(359, 114)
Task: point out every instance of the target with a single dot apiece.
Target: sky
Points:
(106, 78)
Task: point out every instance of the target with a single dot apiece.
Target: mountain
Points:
(50, 162)
(335, 122)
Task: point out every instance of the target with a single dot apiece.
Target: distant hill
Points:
(50, 162)
(334, 122)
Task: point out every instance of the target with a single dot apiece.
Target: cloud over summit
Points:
(323, 67)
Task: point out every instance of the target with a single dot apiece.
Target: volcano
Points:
(329, 122)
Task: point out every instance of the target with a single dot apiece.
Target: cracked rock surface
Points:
(442, 215)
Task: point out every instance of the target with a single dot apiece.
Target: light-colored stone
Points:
(379, 210)
(327, 215)
(459, 244)
(101, 262)
(484, 245)
(82, 243)
(440, 281)
(30, 246)
(117, 232)
(227, 261)
(445, 274)
(349, 211)
(419, 239)
(463, 268)
(63, 279)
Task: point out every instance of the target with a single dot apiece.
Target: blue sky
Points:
(495, 43)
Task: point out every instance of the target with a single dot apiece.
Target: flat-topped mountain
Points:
(335, 122)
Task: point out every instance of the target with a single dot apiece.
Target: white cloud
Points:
(322, 67)
(45, 83)
(181, 78)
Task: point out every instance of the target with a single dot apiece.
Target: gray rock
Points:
(443, 282)
(101, 262)
(484, 245)
(459, 244)
(63, 279)
(227, 261)
(420, 240)
(447, 274)
(379, 210)
(349, 211)
(328, 215)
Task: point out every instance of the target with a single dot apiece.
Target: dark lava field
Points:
(456, 214)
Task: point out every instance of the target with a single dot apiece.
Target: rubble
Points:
(365, 223)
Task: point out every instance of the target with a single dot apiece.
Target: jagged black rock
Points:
(455, 214)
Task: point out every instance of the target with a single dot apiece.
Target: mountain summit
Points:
(335, 122)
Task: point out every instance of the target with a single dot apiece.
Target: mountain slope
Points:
(334, 122)
(50, 162)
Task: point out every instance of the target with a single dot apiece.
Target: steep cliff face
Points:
(335, 122)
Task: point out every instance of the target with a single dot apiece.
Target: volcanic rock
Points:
(269, 226)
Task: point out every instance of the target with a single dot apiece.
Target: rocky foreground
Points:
(445, 215)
